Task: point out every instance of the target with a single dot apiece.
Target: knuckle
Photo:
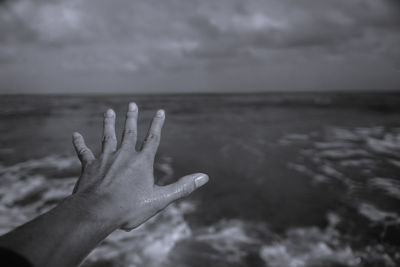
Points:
(185, 190)
(88, 161)
(154, 137)
(130, 132)
(79, 143)
(109, 138)
(83, 150)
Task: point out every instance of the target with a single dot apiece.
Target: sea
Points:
(296, 179)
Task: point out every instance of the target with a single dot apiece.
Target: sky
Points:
(164, 46)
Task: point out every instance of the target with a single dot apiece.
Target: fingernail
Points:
(132, 106)
(201, 180)
(76, 134)
(160, 113)
(109, 113)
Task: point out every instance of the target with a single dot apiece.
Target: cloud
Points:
(124, 36)
(329, 25)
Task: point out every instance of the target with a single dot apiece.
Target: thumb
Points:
(183, 187)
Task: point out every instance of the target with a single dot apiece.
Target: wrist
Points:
(94, 209)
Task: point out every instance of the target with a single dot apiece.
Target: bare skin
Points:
(116, 190)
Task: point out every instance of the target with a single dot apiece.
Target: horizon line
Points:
(340, 91)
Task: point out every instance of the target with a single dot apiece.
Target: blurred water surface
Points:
(296, 179)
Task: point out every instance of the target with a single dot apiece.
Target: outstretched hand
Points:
(115, 190)
(120, 181)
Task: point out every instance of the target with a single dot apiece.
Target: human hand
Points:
(119, 183)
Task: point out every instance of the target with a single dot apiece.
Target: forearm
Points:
(62, 237)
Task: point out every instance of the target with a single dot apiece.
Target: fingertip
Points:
(201, 179)
(109, 113)
(76, 135)
(132, 106)
(160, 113)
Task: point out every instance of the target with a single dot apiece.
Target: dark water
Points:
(296, 179)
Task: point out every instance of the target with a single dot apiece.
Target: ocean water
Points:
(296, 179)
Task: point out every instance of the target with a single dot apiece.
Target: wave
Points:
(352, 156)
(240, 243)
(390, 186)
(355, 158)
(168, 239)
(376, 215)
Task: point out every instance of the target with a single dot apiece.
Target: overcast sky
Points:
(133, 46)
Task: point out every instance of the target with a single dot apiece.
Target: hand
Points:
(120, 182)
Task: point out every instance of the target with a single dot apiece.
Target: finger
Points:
(182, 188)
(84, 153)
(154, 134)
(109, 141)
(130, 131)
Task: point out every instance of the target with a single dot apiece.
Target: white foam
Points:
(307, 254)
(24, 195)
(152, 243)
(19, 190)
(148, 245)
(390, 186)
(333, 144)
(357, 163)
(234, 240)
(293, 138)
(328, 170)
(301, 168)
(344, 134)
(343, 153)
(229, 238)
(311, 246)
(389, 146)
(395, 163)
(377, 215)
(347, 152)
